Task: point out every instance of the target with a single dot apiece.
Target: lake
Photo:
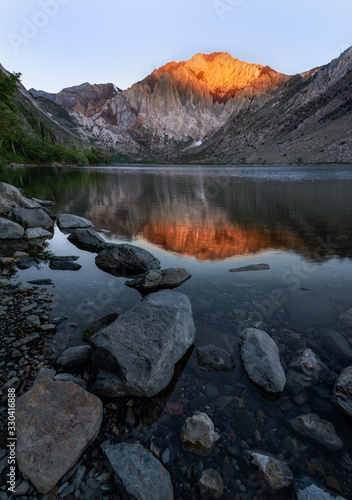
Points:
(208, 220)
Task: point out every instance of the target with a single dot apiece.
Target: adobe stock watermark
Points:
(222, 7)
(30, 27)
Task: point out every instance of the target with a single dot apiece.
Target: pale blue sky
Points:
(59, 43)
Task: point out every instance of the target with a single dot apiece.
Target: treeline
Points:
(36, 142)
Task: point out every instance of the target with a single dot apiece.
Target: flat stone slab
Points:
(70, 221)
(158, 279)
(252, 267)
(138, 474)
(34, 233)
(55, 422)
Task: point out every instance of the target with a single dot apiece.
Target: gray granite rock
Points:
(138, 474)
(261, 361)
(136, 354)
(32, 218)
(198, 431)
(87, 239)
(69, 221)
(98, 325)
(309, 364)
(10, 230)
(125, 260)
(157, 279)
(305, 489)
(320, 431)
(34, 233)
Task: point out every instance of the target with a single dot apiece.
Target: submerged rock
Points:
(156, 279)
(198, 432)
(305, 489)
(98, 325)
(74, 356)
(138, 474)
(343, 392)
(125, 260)
(69, 221)
(261, 361)
(87, 239)
(10, 230)
(252, 267)
(213, 358)
(211, 484)
(276, 473)
(64, 263)
(55, 423)
(320, 431)
(136, 354)
(338, 345)
(310, 365)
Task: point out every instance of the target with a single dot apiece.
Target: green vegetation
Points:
(27, 138)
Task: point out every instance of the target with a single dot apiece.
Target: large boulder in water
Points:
(261, 360)
(136, 354)
(87, 239)
(125, 260)
(69, 221)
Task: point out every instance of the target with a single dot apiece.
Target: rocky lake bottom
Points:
(261, 446)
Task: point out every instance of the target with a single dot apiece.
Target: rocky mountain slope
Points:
(217, 109)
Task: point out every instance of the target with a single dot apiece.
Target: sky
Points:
(61, 43)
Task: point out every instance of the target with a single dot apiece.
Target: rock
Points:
(55, 422)
(211, 484)
(98, 325)
(138, 474)
(276, 473)
(320, 431)
(125, 260)
(74, 356)
(261, 361)
(305, 489)
(32, 218)
(41, 282)
(337, 345)
(4, 283)
(10, 230)
(310, 365)
(22, 489)
(29, 262)
(47, 203)
(68, 377)
(156, 279)
(33, 321)
(69, 221)
(87, 239)
(198, 431)
(213, 358)
(253, 267)
(245, 424)
(343, 392)
(64, 264)
(297, 382)
(136, 354)
(36, 233)
(14, 198)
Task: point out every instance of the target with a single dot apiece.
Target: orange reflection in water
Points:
(214, 241)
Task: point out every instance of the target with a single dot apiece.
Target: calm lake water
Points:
(298, 220)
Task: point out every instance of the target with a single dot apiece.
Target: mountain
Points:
(214, 108)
